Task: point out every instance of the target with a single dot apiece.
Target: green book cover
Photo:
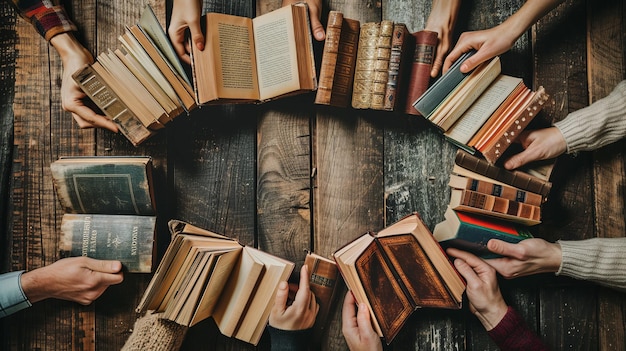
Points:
(104, 185)
(126, 238)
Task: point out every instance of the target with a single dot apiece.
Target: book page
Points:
(226, 68)
(471, 121)
(277, 61)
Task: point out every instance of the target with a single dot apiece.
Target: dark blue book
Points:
(442, 87)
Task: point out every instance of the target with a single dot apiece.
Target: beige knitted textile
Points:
(155, 334)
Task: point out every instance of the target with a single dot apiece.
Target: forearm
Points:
(599, 124)
(600, 260)
(527, 15)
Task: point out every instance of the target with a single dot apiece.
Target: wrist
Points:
(69, 48)
(490, 317)
(33, 286)
(555, 258)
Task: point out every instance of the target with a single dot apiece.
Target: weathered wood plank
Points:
(348, 166)
(606, 28)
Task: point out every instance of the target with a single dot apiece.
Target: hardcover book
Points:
(471, 232)
(495, 188)
(398, 270)
(324, 280)
(402, 45)
(381, 65)
(485, 111)
(365, 65)
(494, 206)
(204, 274)
(110, 208)
(424, 44)
(255, 60)
(338, 61)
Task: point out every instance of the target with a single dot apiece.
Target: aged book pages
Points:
(365, 64)
(338, 61)
(108, 102)
(249, 60)
(422, 61)
(397, 270)
(204, 274)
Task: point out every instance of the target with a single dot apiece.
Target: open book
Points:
(398, 270)
(204, 274)
(248, 60)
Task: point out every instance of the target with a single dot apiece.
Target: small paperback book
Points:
(109, 209)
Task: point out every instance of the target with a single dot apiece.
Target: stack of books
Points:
(376, 65)
(489, 202)
(480, 111)
(143, 86)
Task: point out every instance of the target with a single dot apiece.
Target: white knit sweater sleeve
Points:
(599, 124)
(601, 260)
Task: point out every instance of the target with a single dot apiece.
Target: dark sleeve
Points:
(48, 17)
(512, 334)
(289, 340)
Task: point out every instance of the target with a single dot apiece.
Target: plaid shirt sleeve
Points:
(12, 297)
(48, 17)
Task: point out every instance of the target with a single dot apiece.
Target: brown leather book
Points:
(473, 166)
(495, 188)
(398, 270)
(365, 63)
(381, 67)
(402, 47)
(338, 61)
(324, 279)
(423, 57)
(511, 127)
(493, 206)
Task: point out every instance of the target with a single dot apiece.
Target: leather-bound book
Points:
(338, 61)
(381, 67)
(423, 57)
(324, 279)
(365, 63)
(402, 47)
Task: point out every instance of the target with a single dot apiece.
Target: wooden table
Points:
(289, 176)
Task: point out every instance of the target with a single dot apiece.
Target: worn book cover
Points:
(126, 238)
(471, 232)
(104, 185)
(324, 280)
(494, 206)
(398, 270)
(495, 188)
(109, 206)
(204, 274)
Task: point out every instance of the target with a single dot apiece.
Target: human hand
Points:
(529, 256)
(78, 279)
(486, 301)
(488, 43)
(539, 144)
(441, 19)
(315, 13)
(186, 15)
(75, 56)
(356, 326)
(302, 312)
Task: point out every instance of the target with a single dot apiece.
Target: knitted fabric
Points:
(601, 260)
(512, 334)
(156, 334)
(599, 124)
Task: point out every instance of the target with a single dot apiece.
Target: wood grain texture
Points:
(606, 60)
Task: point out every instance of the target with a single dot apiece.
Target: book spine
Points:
(497, 204)
(507, 192)
(400, 46)
(346, 61)
(381, 67)
(329, 58)
(323, 282)
(517, 179)
(422, 62)
(110, 104)
(496, 148)
(365, 63)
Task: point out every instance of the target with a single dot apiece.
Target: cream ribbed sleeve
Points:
(155, 334)
(601, 260)
(599, 124)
